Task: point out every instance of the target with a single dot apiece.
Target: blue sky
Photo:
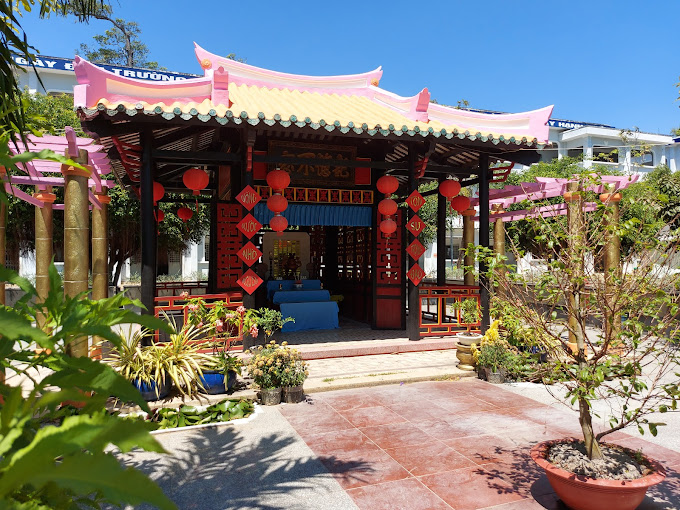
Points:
(614, 62)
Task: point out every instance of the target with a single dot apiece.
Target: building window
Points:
(641, 158)
(605, 154)
(206, 248)
(174, 257)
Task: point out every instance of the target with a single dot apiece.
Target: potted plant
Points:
(293, 375)
(631, 364)
(493, 356)
(219, 373)
(270, 321)
(266, 368)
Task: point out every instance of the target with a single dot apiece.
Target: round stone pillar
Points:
(468, 237)
(44, 243)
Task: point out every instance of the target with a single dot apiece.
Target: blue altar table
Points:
(300, 296)
(273, 286)
(314, 315)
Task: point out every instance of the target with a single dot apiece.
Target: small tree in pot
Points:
(630, 363)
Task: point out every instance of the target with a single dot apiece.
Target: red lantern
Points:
(387, 184)
(278, 179)
(460, 203)
(449, 188)
(161, 216)
(185, 213)
(278, 223)
(277, 203)
(196, 179)
(387, 207)
(158, 192)
(388, 226)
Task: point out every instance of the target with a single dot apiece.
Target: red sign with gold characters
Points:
(249, 281)
(415, 274)
(248, 198)
(415, 249)
(415, 225)
(415, 201)
(249, 226)
(249, 253)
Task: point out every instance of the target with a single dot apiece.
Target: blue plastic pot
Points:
(213, 382)
(148, 390)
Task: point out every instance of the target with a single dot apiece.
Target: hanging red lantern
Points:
(460, 203)
(158, 192)
(278, 179)
(196, 179)
(449, 188)
(387, 184)
(387, 207)
(277, 203)
(161, 216)
(184, 214)
(388, 226)
(278, 223)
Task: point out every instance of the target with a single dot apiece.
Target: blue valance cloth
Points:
(273, 286)
(306, 215)
(319, 315)
(300, 296)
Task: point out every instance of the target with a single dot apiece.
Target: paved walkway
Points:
(431, 445)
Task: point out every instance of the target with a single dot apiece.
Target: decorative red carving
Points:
(249, 281)
(415, 201)
(416, 249)
(248, 198)
(249, 226)
(415, 225)
(229, 267)
(249, 253)
(415, 274)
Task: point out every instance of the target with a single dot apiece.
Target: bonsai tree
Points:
(622, 319)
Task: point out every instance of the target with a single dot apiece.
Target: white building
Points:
(598, 143)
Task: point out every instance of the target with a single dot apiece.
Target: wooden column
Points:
(612, 255)
(413, 322)
(484, 238)
(498, 239)
(442, 207)
(468, 238)
(44, 243)
(574, 224)
(149, 227)
(76, 236)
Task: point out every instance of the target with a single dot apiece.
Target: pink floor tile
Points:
(347, 402)
(339, 441)
(362, 466)
(451, 428)
(408, 493)
(429, 459)
(471, 488)
(483, 449)
(317, 423)
(372, 416)
(397, 435)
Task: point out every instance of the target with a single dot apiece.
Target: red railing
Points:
(438, 315)
(175, 307)
(176, 288)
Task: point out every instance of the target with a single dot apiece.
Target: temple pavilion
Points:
(302, 174)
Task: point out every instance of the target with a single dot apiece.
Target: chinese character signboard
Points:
(415, 225)
(415, 249)
(248, 198)
(415, 201)
(415, 274)
(312, 173)
(249, 253)
(249, 281)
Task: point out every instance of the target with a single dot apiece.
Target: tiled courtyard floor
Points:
(446, 445)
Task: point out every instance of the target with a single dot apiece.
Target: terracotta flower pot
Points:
(583, 493)
(610, 197)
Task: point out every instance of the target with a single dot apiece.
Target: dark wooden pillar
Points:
(149, 227)
(442, 205)
(413, 322)
(484, 237)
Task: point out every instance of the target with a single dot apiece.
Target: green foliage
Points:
(52, 113)
(273, 366)
(270, 321)
(53, 457)
(469, 311)
(185, 416)
(224, 363)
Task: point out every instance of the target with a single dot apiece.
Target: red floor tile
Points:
(339, 441)
(346, 402)
(317, 423)
(451, 428)
(419, 413)
(471, 488)
(397, 435)
(483, 449)
(362, 466)
(407, 494)
(372, 416)
(429, 459)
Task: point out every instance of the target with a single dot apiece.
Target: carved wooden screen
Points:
(229, 266)
(389, 309)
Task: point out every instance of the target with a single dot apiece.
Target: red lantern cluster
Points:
(451, 189)
(278, 180)
(387, 185)
(460, 203)
(158, 192)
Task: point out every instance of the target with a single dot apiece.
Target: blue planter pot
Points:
(213, 382)
(148, 390)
